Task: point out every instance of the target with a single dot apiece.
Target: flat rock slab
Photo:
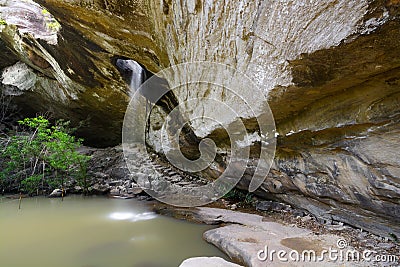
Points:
(244, 243)
(247, 238)
(207, 261)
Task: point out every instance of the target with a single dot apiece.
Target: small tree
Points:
(43, 154)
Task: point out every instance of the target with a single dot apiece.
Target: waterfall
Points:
(133, 73)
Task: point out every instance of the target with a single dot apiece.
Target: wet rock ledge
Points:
(243, 235)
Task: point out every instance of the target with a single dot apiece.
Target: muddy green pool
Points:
(95, 232)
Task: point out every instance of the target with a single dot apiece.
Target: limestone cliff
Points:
(329, 69)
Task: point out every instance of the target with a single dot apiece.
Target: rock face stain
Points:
(329, 69)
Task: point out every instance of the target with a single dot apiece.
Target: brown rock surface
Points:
(330, 71)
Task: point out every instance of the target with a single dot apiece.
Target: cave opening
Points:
(135, 75)
(151, 86)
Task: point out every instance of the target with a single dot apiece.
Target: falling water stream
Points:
(95, 232)
(133, 73)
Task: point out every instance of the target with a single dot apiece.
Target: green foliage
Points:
(243, 197)
(3, 22)
(31, 183)
(249, 200)
(45, 11)
(235, 194)
(42, 154)
(81, 174)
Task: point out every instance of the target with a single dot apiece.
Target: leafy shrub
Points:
(243, 197)
(31, 183)
(42, 154)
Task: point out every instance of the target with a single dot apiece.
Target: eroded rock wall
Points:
(329, 69)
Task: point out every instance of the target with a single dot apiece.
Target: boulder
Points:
(56, 193)
(99, 189)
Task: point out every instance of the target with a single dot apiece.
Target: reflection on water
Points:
(132, 217)
(94, 232)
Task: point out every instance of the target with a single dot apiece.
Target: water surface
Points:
(94, 232)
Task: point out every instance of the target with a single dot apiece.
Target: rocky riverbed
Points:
(247, 224)
(243, 234)
(108, 173)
